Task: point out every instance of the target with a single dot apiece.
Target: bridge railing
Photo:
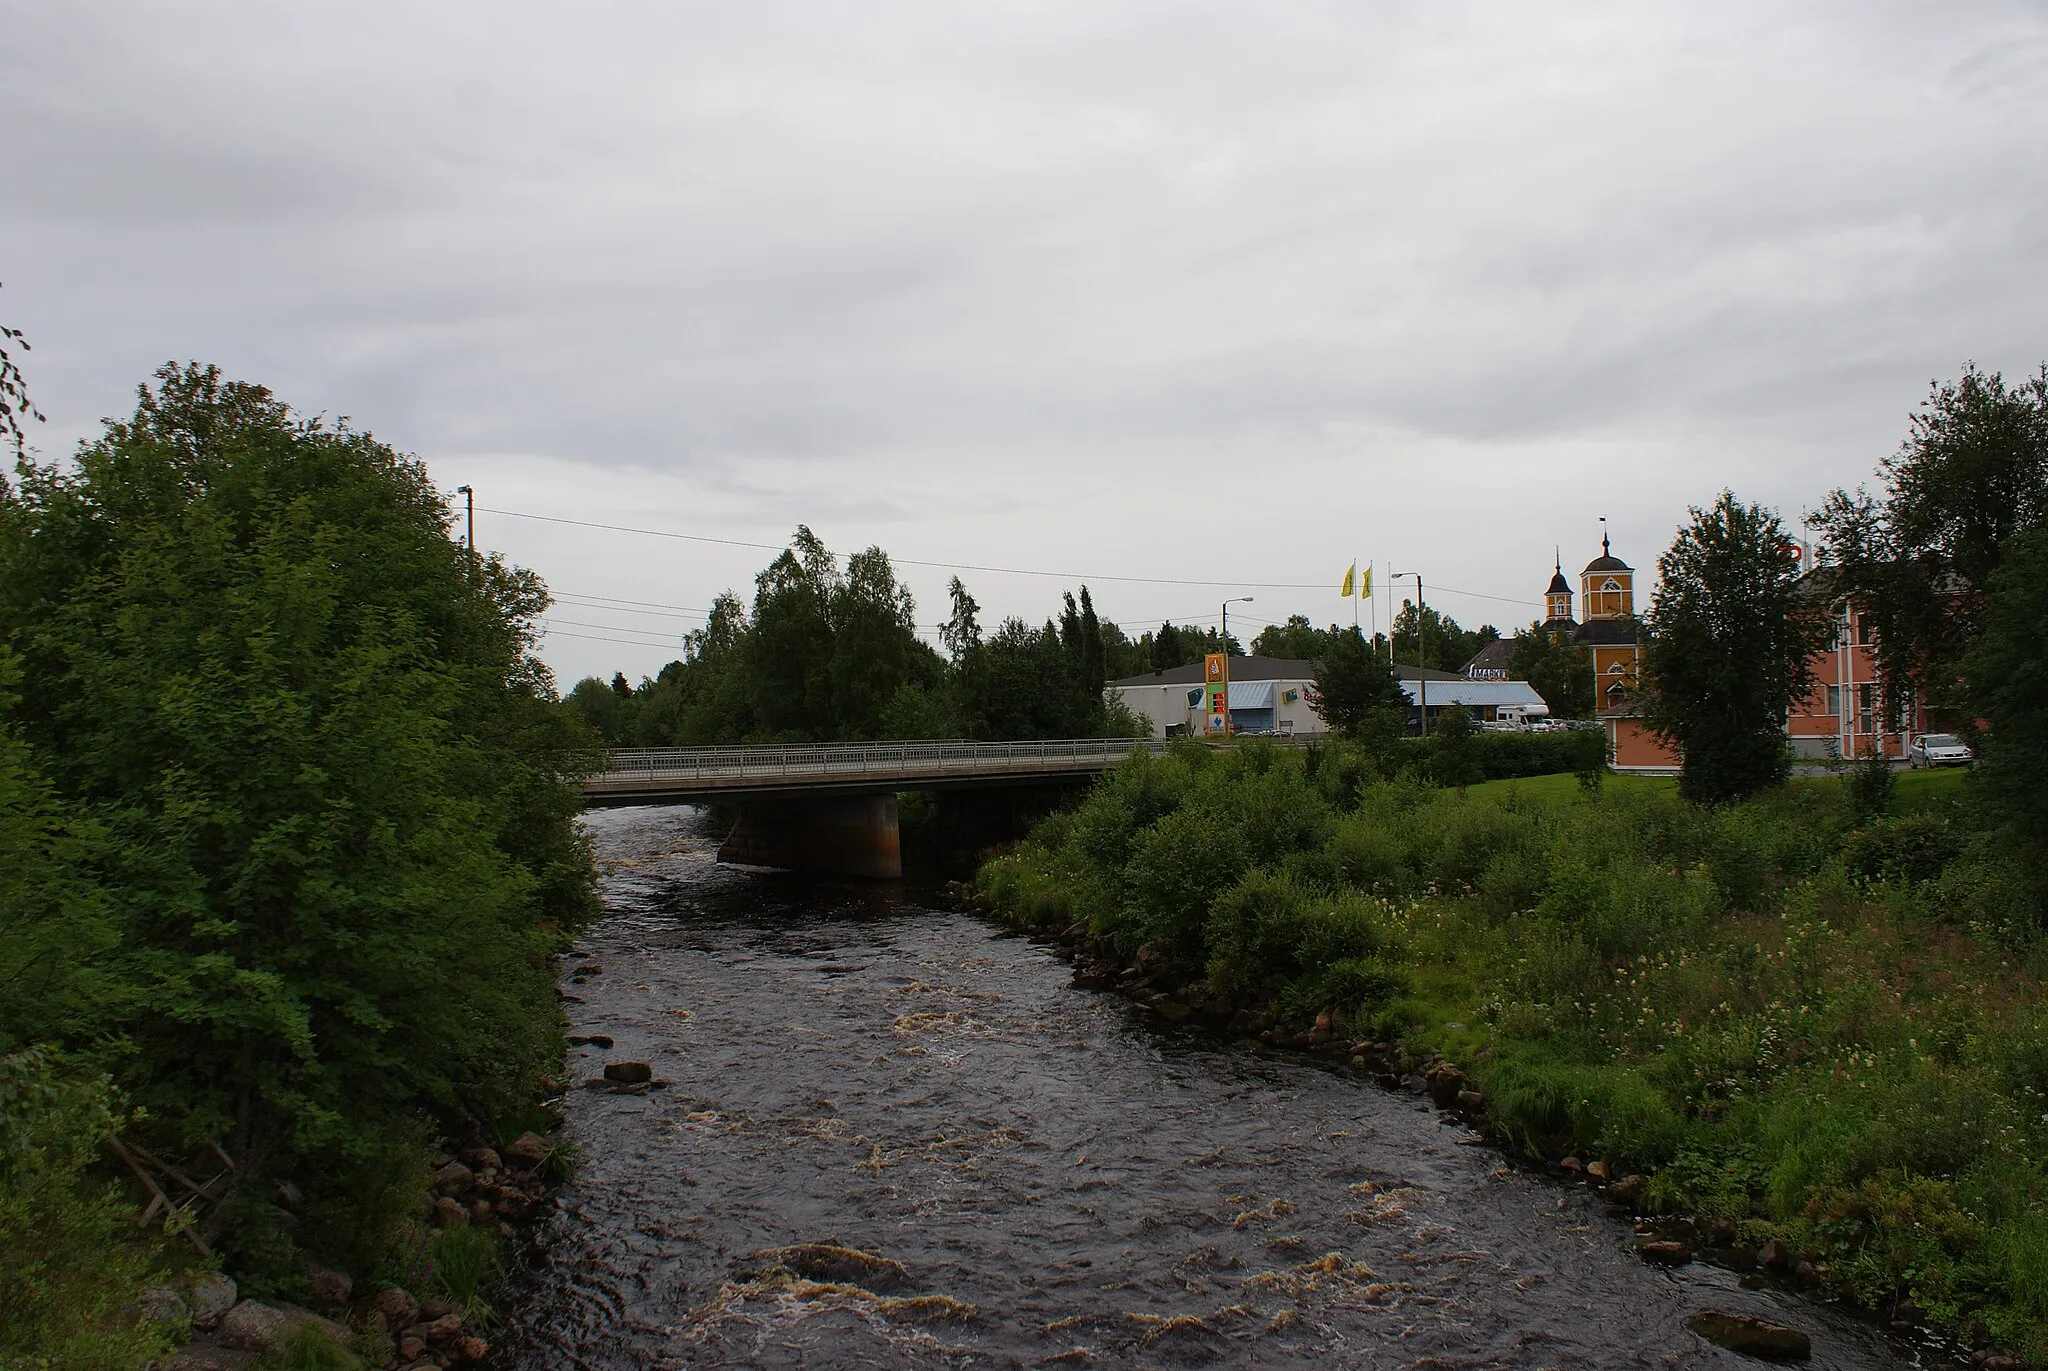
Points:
(855, 759)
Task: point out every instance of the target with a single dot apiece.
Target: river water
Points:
(1058, 1177)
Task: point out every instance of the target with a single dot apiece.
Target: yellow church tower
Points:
(1607, 591)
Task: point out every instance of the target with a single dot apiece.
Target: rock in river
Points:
(527, 1151)
(1751, 1336)
(628, 1073)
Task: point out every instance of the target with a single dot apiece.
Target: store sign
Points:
(1216, 671)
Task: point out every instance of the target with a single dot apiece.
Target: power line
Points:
(617, 628)
(547, 632)
(960, 566)
(611, 600)
(576, 602)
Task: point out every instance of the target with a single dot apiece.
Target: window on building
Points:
(1866, 707)
(1863, 634)
(1835, 701)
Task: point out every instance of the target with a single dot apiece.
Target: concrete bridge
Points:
(832, 807)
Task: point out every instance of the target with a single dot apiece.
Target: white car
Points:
(1939, 749)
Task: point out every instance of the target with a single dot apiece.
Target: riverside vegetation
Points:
(1815, 1018)
(287, 844)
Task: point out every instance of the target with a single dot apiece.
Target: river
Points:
(1045, 1175)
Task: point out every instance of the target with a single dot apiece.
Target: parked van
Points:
(1519, 718)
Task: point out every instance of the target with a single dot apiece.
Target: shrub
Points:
(71, 1271)
(1905, 850)
(310, 1347)
(1868, 786)
(466, 1263)
(1178, 866)
(1351, 985)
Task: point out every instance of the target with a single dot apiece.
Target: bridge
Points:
(832, 807)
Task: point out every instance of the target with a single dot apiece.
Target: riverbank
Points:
(1800, 1028)
(1010, 1172)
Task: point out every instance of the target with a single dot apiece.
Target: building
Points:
(1490, 663)
(1480, 698)
(1607, 593)
(1271, 695)
(1267, 695)
(1845, 715)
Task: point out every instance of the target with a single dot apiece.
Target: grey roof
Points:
(1493, 657)
(1606, 562)
(1270, 669)
(1607, 632)
(1241, 669)
(1462, 692)
(1558, 584)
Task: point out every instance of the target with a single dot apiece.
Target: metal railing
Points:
(863, 759)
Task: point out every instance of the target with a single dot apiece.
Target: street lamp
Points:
(1421, 646)
(1225, 645)
(469, 495)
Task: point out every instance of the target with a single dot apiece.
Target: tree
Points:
(601, 707)
(14, 401)
(1297, 639)
(56, 931)
(1446, 646)
(2007, 672)
(1558, 669)
(1971, 474)
(328, 767)
(1730, 644)
(1352, 683)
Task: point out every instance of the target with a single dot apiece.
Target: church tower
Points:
(1607, 590)
(1557, 599)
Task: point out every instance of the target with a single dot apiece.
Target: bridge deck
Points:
(674, 774)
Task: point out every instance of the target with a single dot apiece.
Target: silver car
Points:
(1939, 749)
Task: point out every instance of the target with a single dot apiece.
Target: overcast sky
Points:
(1222, 294)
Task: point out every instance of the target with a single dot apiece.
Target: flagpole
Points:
(1354, 599)
(1375, 620)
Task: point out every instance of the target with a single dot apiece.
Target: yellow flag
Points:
(1350, 580)
(1365, 586)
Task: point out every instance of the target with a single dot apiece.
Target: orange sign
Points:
(1216, 666)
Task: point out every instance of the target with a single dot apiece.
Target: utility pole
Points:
(1225, 645)
(1421, 645)
(468, 493)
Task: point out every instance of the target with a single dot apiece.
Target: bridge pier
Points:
(845, 835)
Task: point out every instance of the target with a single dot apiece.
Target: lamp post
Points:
(468, 493)
(1225, 645)
(1421, 646)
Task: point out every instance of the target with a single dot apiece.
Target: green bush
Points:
(1353, 986)
(71, 1266)
(1868, 786)
(1177, 867)
(1269, 929)
(1904, 850)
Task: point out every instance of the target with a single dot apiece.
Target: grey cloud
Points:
(860, 264)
